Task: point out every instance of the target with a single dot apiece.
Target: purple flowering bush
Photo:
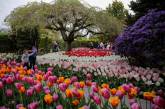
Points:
(144, 42)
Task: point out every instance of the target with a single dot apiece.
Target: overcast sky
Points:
(6, 6)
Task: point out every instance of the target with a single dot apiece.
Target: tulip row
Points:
(35, 89)
(79, 52)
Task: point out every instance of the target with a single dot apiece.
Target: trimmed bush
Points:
(144, 42)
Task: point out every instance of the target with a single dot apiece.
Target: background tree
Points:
(71, 18)
(141, 7)
(110, 26)
(25, 23)
(116, 9)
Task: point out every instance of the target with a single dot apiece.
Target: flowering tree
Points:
(71, 18)
(145, 40)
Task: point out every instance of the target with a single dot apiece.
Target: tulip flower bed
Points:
(79, 52)
(42, 89)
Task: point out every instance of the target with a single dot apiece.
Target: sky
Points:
(6, 6)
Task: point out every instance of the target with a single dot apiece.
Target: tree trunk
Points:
(68, 44)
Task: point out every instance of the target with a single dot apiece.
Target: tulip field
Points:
(103, 82)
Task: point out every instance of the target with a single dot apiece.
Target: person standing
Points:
(55, 47)
(32, 57)
(25, 59)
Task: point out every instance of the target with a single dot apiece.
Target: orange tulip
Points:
(29, 71)
(48, 99)
(104, 85)
(22, 89)
(113, 91)
(49, 84)
(81, 94)
(121, 89)
(114, 101)
(82, 84)
(88, 83)
(75, 102)
(68, 93)
(67, 81)
(149, 95)
(60, 80)
(39, 77)
(22, 108)
(133, 92)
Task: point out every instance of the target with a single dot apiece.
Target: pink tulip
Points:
(46, 90)
(9, 92)
(52, 79)
(59, 107)
(63, 87)
(97, 100)
(55, 97)
(86, 107)
(135, 106)
(74, 79)
(50, 69)
(33, 105)
(159, 101)
(18, 106)
(38, 87)
(89, 76)
(75, 92)
(105, 93)
(3, 107)
(154, 106)
(91, 95)
(160, 92)
(1, 85)
(95, 89)
(119, 94)
(18, 85)
(126, 87)
(131, 101)
(9, 80)
(76, 84)
(29, 92)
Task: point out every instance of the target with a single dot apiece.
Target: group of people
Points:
(106, 46)
(29, 58)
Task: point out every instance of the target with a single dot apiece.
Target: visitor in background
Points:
(102, 45)
(25, 59)
(91, 46)
(108, 46)
(55, 47)
(32, 57)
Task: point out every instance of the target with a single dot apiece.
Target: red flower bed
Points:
(87, 52)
